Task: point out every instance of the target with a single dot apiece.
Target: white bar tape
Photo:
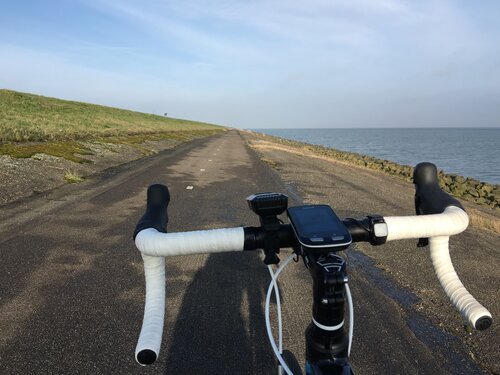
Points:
(154, 310)
(151, 242)
(452, 221)
(454, 289)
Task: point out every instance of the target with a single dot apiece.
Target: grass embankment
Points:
(461, 187)
(32, 124)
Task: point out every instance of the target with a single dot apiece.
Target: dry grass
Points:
(68, 150)
(482, 220)
(72, 177)
(270, 162)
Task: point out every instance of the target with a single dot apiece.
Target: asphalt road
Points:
(71, 286)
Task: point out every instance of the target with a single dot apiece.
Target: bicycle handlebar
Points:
(438, 217)
(438, 227)
(155, 218)
(477, 315)
(431, 199)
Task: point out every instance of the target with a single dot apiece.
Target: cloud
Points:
(273, 35)
(237, 62)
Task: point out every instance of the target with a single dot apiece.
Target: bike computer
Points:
(317, 226)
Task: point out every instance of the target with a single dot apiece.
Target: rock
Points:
(446, 179)
(458, 178)
(457, 189)
(481, 201)
(472, 181)
(487, 188)
(473, 192)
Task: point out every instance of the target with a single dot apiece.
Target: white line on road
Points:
(202, 169)
(189, 187)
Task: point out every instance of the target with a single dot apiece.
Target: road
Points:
(72, 284)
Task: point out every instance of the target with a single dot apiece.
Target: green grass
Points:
(32, 124)
(34, 118)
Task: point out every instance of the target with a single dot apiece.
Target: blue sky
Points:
(250, 64)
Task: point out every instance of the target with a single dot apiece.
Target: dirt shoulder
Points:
(22, 177)
(356, 191)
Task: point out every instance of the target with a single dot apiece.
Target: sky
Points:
(263, 64)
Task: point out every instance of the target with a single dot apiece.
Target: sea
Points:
(469, 152)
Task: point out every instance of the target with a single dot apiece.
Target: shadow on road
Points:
(222, 312)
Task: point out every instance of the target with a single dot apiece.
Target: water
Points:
(468, 152)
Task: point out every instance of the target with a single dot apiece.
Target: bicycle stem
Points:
(325, 336)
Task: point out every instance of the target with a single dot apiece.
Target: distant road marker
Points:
(202, 169)
(189, 187)
(209, 159)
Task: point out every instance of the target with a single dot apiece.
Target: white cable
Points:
(468, 306)
(274, 277)
(351, 318)
(278, 308)
(154, 309)
(452, 221)
(278, 313)
(274, 285)
(151, 242)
